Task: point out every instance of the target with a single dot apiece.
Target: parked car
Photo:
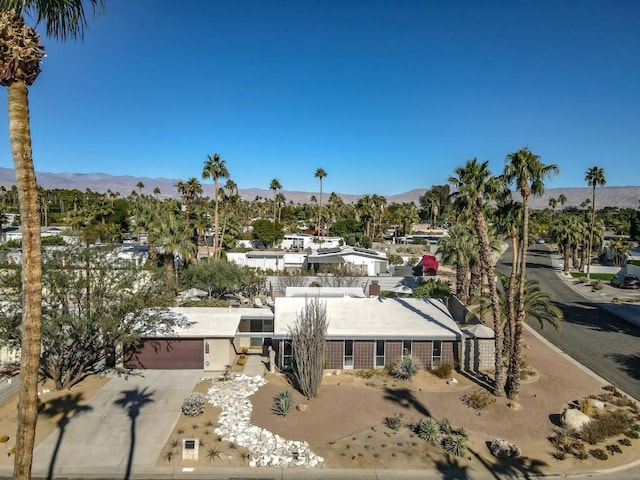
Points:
(626, 281)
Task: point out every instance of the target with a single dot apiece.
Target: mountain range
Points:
(622, 197)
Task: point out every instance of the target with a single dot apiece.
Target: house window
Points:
(348, 354)
(287, 354)
(437, 353)
(406, 348)
(379, 353)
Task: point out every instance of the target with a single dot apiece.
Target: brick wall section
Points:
(393, 352)
(335, 353)
(447, 353)
(422, 351)
(363, 351)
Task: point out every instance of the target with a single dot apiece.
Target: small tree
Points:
(308, 340)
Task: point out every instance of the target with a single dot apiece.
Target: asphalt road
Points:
(594, 337)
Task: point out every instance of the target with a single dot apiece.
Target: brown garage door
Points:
(167, 353)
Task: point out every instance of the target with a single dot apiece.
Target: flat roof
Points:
(374, 318)
(214, 322)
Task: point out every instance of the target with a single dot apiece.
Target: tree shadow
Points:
(480, 379)
(450, 468)
(132, 402)
(405, 398)
(506, 467)
(67, 406)
(631, 363)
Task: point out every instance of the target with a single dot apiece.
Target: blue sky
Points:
(385, 96)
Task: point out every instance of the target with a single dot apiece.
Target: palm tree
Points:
(189, 190)
(20, 56)
(537, 304)
(168, 234)
(156, 191)
(275, 186)
(562, 200)
(475, 186)
(215, 168)
(553, 203)
(525, 169)
(457, 250)
(140, 186)
(593, 177)
(320, 174)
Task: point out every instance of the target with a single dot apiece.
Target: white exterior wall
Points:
(221, 354)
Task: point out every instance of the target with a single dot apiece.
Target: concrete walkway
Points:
(254, 365)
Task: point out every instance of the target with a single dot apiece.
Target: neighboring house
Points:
(366, 261)
(325, 292)
(303, 241)
(375, 332)
(15, 233)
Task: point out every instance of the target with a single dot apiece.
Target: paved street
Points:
(592, 335)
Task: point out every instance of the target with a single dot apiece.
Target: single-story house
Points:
(368, 262)
(211, 340)
(362, 333)
(374, 332)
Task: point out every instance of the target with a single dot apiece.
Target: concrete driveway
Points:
(125, 427)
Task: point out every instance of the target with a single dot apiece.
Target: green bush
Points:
(455, 444)
(282, 403)
(428, 429)
(599, 454)
(406, 368)
(443, 371)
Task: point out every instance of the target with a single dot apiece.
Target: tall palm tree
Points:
(320, 174)
(475, 186)
(562, 200)
(140, 186)
(215, 168)
(20, 55)
(457, 250)
(593, 177)
(526, 170)
(275, 186)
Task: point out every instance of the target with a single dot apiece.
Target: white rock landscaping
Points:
(234, 425)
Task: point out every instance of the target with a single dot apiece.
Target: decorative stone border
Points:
(234, 425)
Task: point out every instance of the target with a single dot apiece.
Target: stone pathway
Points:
(234, 425)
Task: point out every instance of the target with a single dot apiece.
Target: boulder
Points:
(501, 448)
(515, 406)
(599, 404)
(301, 407)
(452, 381)
(574, 419)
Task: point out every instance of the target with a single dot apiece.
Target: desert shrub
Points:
(585, 406)
(443, 371)
(597, 285)
(282, 403)
(632, 434)
(394, 422)
(608, 424)
(625, 442)
(455, 444)
(405, 368)
(428, 429)
(579, 450)
(193, 404)
(599, 454)
(372, 372)
(479, 399)
(613, 449)
(464, 431)
(445, 426)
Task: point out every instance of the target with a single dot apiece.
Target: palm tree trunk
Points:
(475, 285)
(488, 267)
(511, 294)
(513, 371)
(593, 224)
(20, 137)
(215, 219)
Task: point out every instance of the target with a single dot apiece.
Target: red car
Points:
(627, 281)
